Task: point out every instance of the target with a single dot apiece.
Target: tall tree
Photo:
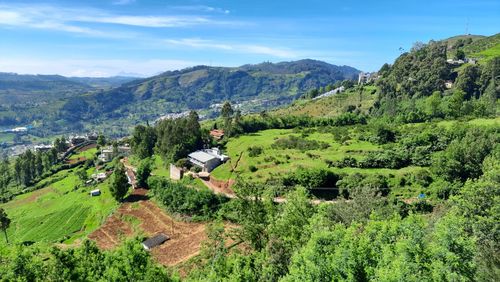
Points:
(143, 173)
(467, 81)
(101, 140)
(4, 223)
(143, 141)
(119, 184)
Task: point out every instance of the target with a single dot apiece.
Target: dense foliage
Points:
(85, 263)
(178, 198)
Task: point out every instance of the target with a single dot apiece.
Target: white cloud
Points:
(239, 48)
(147, 21)
(91, 67)
(203, 8)
(123, 2)
(73, 20)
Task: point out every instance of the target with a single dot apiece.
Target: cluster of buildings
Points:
(172, 116)
(21, 129)
(108, 154)
(461, 62)
(330, 93)
(75, 140)
(366, 77)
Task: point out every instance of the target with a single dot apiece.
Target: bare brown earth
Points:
(185, 237)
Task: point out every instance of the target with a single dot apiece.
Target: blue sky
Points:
(110, 37)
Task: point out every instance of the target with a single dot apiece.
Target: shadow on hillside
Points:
(136, 196)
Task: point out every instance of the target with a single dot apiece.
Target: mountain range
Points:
(76, 100)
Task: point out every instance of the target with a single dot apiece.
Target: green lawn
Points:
(58, 212)
(88, 154)
(159, 167)
(281, 161)
(478, 122)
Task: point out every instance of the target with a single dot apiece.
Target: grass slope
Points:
(333, 105)
(58, 212)
(281, 161)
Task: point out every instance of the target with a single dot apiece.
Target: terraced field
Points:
(61, 212)
(143, 217)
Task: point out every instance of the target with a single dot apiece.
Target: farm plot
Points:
(63, 211)
(148, 219)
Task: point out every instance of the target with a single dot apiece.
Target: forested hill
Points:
(18, 89)
(199, 87)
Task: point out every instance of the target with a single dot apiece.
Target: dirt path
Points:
(229, 193)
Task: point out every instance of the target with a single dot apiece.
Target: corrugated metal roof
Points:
(202, 156)
(155, 241)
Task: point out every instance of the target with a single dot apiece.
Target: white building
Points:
(42, 148)
(207, 159)
(107, 154)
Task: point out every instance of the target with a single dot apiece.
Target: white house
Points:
(43, 148)
(95, 192)
(207, 159)
(107, 154)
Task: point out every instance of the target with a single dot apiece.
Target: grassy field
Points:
(61, 212)
(88, 154)
(333, 105)
(281, 161)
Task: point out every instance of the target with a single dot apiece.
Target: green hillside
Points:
(254, 87)
(485, 48)
(62, 211)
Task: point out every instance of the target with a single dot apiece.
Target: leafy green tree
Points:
(178, 137)
(101, 140)
(82, 174)
(464, 156)
(479, 203)
(227, 113)
(4, 223)
(455, 103)
(453, 251)
(460, 54)
(286, 233)
(433, 105)
(143, 141)
(143, 173)
(467, 81)
(227, 110)
(119, 184)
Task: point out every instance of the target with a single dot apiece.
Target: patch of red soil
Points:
(222, 186)
(185, 237)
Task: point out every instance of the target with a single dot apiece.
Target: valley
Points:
(293, 171)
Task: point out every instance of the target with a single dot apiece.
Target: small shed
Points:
(154, 241)
(95, 192)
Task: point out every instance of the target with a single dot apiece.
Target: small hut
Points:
(154, 241)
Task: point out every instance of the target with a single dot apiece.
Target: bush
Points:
(299, 143)
(254, 151)
(179, 198)
(252, 168)
(312, 178)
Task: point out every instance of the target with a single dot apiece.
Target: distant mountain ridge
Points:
(200, 87)
(70, 104)
(36, 88)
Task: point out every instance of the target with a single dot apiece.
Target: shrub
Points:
(179, 198)
(254, 151)
(252, 168)
(299, 143)
(311, 178)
